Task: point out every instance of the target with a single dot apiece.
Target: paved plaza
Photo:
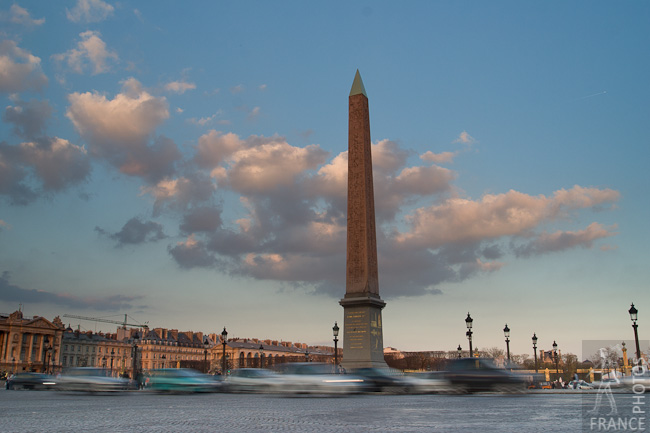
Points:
(50, 411)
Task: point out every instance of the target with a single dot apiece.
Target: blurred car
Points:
(428, 383)
(92, 379)
(386, 380)
(481, 375)
(182, 380)
(581, 384)
(251, 380)
(315, 378)
(30, 381)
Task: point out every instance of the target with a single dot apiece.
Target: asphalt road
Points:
(51, 411)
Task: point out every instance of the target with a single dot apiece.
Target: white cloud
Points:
(179, 87)
(89, 11)
(19, 15)
(465, 138)
(19, 70)
(91, 51)
(254, 113)
(438, 158)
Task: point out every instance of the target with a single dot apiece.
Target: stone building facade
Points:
(30, 344)
(87, 349)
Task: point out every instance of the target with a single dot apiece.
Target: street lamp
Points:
(134, 356)
(535, 350)
(104, 363)
(163, 357)
(112, 355)
(307, 356)
(460, 351)
(468, 322)
(261, 356)
(557, 368)
(205, 357)
(46, 345)
(633, 315)
(224, 337)
(506, 332)
(50, 351)
(335, 331)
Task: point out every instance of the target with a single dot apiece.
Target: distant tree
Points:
(569, 365)
(493, 352)
(520, 359)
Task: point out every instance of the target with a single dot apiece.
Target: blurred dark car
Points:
(30, 381)
(481, 375)
(383, 380)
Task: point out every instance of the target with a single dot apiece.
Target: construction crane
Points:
(99, 319)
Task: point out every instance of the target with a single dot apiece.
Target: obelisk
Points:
(362, 332)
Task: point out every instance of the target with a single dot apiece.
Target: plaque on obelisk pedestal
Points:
(363, 342)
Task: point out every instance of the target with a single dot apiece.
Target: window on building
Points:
(87, 349)
(64, 361)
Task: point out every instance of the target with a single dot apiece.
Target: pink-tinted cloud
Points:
(19, 70)
(513, 213)
(119, 130)
(563, 240)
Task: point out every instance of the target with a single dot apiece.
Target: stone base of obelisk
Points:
(363, 341)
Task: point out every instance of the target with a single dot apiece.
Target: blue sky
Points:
(186, 165)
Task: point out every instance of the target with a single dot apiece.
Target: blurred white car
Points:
(251, 380)
(315, 378)
(580, 384)
(90, 379)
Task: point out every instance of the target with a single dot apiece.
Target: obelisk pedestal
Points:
(362, 331)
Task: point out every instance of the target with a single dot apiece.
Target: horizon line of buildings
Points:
(37, 344)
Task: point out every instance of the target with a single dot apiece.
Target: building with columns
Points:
(30, 344)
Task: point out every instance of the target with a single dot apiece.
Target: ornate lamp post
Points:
(335, 331)
(633, 315)
(205, 356)
(307, 356)
(112, 355)
(46, 346)
(261, 356)
(460, 351)
(50, 351)
(506, 332)
(535, 350)
(104, 361)
(468, 323)
(163, 357)
(224, 338)
(557, 368)
(134, 356)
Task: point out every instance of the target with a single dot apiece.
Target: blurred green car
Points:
(182, 380)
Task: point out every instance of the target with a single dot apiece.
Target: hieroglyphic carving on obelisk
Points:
(362, 333)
